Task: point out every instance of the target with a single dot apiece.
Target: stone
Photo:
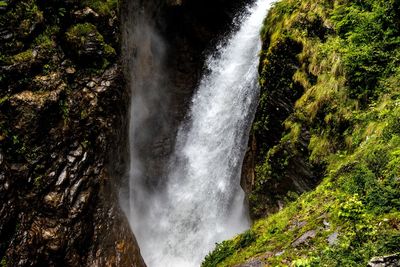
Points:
(78, 152)
(74, 190)
(80, 203)
(333, 238)
(36, 99)
(303, 239)
(53, 199)
(280, 253)
(86, 12)
(70, 70)
(91, 84)
(71, 159)
(296, 225)
(63, 176)
(385, 261)
(87, 44)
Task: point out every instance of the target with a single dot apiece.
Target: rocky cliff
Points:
(64, 102)
(63, 118)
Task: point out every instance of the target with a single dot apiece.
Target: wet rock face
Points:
(63, 108)
(289, 170)
(186, 30)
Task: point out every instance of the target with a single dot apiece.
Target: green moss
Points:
(22, 57)
(103, 7)
(80, 36)
(4, 99)
(109, 51)
(64, 110)
(29, 14)
(38, 181)
(79, 33)
(46, 39)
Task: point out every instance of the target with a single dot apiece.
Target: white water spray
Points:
(202, 202)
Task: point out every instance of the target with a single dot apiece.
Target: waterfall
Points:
(201, 202)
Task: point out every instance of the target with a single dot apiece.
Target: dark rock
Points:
(86, 13)
(297, 225)
(290, 169)
(59, 177)
(86, 43)
(333, 238)
(303, 239)
(385, 261)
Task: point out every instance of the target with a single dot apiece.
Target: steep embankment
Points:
(328, 119)
(63, 106)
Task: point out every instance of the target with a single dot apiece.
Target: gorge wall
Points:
(62, 133)
(64, 102)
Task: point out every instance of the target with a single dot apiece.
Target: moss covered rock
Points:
(63, 103)
(87, 44)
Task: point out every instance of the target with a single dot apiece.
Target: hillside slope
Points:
(328, 124)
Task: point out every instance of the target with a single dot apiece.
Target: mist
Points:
(183, 199)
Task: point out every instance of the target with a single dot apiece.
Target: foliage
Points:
(78, 33)
(227, 248)
(350, 108)
(25, 56)
(103, 7)
(81, 36)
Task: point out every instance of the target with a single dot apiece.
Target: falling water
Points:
(202, 202)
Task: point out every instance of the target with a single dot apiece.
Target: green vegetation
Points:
(82, 30)
(103, 7)
(26, 16)
(46, 39)
(79, 33)
(350, 106)
(25, 56)
(38, 181)
(64, 110)
(109, 51)
(82, 36)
